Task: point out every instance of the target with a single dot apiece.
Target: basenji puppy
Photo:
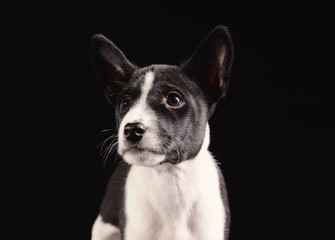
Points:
(168, 186)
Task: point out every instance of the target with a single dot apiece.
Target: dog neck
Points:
(176, 195)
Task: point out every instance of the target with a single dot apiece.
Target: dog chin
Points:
(143, 158)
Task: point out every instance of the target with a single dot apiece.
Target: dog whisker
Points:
(102, 143)
(108, 147)
(111, 149)
(107, 130)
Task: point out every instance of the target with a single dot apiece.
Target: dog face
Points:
(162, 111)
(161, 117)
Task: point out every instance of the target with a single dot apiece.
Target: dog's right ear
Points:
(110, 65)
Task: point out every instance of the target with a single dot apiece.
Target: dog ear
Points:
(210, 65)
(110, 65)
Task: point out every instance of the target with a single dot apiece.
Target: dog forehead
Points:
(160, 74)
(170, 75)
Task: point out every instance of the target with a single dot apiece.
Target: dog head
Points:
(162, 111)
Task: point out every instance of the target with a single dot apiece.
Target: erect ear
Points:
(210, 65)
(111, 66)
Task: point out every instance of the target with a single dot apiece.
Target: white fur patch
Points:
(148, 80)
(179, 202)
(104, 231)
(150, 143)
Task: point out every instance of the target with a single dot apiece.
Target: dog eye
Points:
(125, 104)
(174, 99)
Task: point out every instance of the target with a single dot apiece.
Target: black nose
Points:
(134, 131)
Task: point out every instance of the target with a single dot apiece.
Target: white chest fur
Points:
(178, 202)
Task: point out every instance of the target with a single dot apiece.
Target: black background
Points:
(272, 134)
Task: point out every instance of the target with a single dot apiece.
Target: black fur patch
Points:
(185, 126)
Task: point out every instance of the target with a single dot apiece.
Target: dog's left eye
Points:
(125, 104)
(174, 99)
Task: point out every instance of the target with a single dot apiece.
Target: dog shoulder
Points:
(112, 207)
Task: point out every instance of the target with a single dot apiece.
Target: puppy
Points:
(168, 185)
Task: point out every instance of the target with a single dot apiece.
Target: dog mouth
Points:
(139, 150)
(142, 156)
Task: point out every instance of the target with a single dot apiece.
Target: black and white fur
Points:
(168, 185)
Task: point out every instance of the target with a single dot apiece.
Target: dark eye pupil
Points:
(125, 104)
(174, 99)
